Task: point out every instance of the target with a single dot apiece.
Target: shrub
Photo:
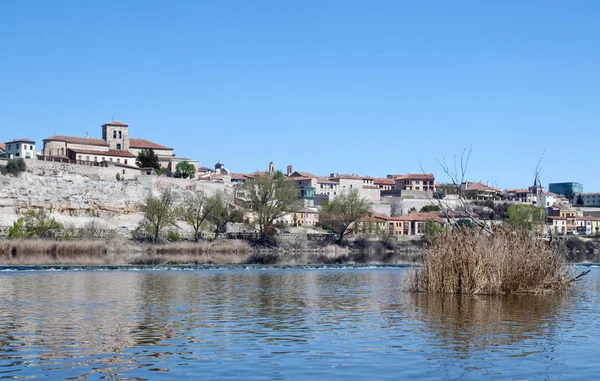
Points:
(470, 261)
(14, 167)
(35, 223)
(174, 236)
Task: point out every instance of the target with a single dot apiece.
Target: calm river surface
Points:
(332, 323)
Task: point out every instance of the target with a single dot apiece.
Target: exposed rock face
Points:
(74, 199)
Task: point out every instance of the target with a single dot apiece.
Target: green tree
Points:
(430, 208)
(526, 217)
(185, 170)
(194, 210)
(35, 223)
(579, 200)
(159, 213)
(222, 212)
(270, 196)
(343, 211)
(147, 159)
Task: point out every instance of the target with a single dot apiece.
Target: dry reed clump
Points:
(49, 252)
(202, 247)
(469, 261)
(203, 252)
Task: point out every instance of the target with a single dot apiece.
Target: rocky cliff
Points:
(75, 199)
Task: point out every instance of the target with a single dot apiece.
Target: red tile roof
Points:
(381, 181)
(76, 140)
(304, 174)
(115, 123)
(2, 146)
(414, 176)
(479, 186)
(146, 144)
(204, 169)
(114, 153)
(518, 191)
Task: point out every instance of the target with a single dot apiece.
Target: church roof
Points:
(115, 123)
(146, 144)
(76, 140)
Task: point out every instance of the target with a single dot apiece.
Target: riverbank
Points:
(120, 251)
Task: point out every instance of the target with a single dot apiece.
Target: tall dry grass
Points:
(470, 261)
(50, 252)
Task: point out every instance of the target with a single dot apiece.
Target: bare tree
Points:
(222, 211)
(457, 171)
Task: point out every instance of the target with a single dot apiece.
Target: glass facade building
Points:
(563, 188)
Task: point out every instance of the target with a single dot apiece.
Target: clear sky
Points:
(365, 87)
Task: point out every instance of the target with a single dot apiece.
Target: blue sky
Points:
(365, 87)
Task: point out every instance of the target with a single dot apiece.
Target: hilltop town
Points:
(401, 204)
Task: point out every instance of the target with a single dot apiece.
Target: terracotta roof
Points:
(239, 176)
(146, 144)
(114, 153)
(518, 191)
(479, 186)
(24, 140)
(325, 180)
(372, 219)
(414, 176)
(2, 146)
(381, 181)
(204, 169)
(420, 216)
(76, 140)
(304, 174)
(115, 123)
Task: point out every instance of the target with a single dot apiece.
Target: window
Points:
(95, 158)
(17, 145)
(125, 161)
(120, 136)
(119, 146)
(118, 160)
(111, 159)
(78, 157)
(87, 158)
(114, 134)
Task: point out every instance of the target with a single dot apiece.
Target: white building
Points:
(23, 148)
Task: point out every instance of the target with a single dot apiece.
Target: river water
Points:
(294, 323)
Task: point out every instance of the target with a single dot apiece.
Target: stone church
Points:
(116, 146)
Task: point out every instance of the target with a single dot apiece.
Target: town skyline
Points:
(345, 87)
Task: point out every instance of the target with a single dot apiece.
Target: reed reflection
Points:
(466, 323)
